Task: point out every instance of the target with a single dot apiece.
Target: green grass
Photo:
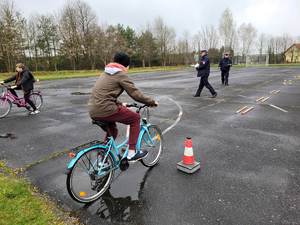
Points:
(21, 204)
(64, 74)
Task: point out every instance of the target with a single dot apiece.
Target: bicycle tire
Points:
(147, 161)
(99, 193)
(37, 99)
(7, 111)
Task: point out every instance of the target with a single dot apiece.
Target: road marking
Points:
(247, 110)
(241, 109)
(259, 99)
(178, 117)
(276, 107)
(265, 99)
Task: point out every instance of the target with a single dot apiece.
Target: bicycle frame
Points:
(112, 149)
(14, 99)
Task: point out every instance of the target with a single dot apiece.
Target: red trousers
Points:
(125, 116)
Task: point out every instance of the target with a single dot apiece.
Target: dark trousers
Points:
(224, 77)
(204, 83)
(26, 97)
(125, 116)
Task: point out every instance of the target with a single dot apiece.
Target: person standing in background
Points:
(225, 65)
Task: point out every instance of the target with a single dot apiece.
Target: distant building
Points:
(292, 54)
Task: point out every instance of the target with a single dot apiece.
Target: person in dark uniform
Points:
(203, 71)
(225, 65)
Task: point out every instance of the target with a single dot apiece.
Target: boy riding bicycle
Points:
(104, 106)
(23, 81)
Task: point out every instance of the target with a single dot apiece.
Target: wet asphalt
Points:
(250, 164)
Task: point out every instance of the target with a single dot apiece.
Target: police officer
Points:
(203, 71)
(225, 65)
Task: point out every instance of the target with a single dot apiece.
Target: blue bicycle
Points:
(91, 169)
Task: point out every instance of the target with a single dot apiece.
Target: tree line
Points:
(72, 39)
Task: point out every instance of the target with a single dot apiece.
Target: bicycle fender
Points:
(143, 130)
(80, 153)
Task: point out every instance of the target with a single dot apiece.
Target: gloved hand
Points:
(13, 87)
(2, 82)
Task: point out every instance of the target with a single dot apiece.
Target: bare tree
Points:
(208, 37)
(247, 34)
(165, 37)
(87, 23)
(12, 45)
(227, 29)
(261, 43)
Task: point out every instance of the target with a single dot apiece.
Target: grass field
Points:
(21, 204)
(64, 74)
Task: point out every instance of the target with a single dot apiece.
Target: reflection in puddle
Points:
(121, 202)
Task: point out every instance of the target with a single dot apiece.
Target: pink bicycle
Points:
(7, 99)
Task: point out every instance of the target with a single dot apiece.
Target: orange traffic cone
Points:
(188, 163)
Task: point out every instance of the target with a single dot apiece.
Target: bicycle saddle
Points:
(104, 125)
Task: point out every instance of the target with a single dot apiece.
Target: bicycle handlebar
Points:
(4, 85)
(135, 105)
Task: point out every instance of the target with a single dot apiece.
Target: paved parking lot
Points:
(250, 164)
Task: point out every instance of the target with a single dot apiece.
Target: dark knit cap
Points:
(122, 58)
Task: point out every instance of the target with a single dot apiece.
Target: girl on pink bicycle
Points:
(23, 81)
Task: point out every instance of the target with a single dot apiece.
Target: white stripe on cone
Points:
(188, 151)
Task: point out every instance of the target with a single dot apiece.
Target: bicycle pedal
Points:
(124, 164)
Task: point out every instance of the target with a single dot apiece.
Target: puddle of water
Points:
(120, 203)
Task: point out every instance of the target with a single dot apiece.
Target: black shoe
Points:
(196, 96)
(214, 95)
(138, 156)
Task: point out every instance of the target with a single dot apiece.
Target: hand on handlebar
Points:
(154, 105)
(13, 87)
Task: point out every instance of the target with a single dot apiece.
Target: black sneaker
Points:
(214, 95)
(138, 156)
(196, 96)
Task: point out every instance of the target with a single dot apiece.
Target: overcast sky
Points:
(269, 16)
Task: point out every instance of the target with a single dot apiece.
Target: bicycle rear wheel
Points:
(5, 107)
(153, 143)
(37, 100)
(90, 176)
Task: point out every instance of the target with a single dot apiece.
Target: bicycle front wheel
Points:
(153, 143)
(37, 100)
(5, 107)
(90, 176)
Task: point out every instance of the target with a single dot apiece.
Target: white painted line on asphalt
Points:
(178, 117)
(241, 109)
(247, 110)
(265, 99)
(260, 98)
(276, 107)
